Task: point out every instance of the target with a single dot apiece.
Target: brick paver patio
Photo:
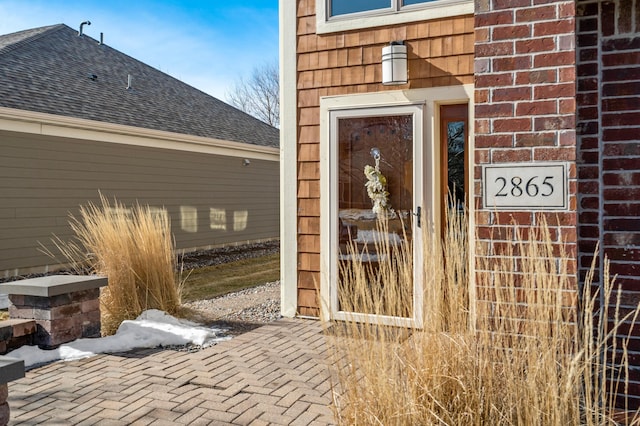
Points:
(276, 374)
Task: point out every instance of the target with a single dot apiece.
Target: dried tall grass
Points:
(535, 353)
(134, 248)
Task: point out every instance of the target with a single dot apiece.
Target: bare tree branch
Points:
(260, 94)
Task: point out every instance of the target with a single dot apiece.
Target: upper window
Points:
(346, 7)
(344, 15)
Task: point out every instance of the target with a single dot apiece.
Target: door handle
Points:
(418, 215)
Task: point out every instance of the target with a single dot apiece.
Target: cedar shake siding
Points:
(440, 53)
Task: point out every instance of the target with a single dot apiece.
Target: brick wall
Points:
(525, 106)
(609, 148)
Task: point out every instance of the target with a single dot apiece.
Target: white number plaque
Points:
(525, 186)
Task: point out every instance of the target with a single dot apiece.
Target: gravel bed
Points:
(259, 304)
(242, 310)
(202, 258)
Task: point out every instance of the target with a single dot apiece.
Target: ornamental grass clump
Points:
(134, 248)
(537, 351)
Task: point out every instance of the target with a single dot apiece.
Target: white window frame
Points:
(390, 16)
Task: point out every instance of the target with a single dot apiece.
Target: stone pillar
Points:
(65, 307)
(10, 369)
(62, 318)
(4, 405)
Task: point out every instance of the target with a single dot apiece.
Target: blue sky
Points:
(207, 44)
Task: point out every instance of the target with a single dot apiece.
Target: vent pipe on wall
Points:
(82, 25)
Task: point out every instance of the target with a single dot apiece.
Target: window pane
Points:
(455, 159)
(410, 2)
(342, 7)
(375, 181)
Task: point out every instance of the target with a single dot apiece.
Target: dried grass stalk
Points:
(536, 352)
(134, 248)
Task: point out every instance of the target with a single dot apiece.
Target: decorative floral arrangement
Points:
(377, 190)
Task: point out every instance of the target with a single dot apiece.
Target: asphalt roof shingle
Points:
(50, 69)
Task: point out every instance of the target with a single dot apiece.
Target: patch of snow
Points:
(151, 329)
(373, 236)
(357, 214)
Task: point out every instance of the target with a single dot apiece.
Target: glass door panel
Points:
(455, 161)
(455, 170)
(375, 206)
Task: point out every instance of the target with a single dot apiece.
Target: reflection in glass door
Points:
(453, 134)
(376, 215)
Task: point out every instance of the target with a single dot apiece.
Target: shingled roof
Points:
(51, 70)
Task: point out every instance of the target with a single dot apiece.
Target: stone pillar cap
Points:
(10, 369)
(53, 285)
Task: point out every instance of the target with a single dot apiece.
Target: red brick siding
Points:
(525, 67)
(588, 135)
(609, 146)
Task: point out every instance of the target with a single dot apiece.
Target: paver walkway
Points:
(276, 374)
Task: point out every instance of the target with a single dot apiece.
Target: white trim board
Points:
(37, 123)
(426, 12)
(288, 160)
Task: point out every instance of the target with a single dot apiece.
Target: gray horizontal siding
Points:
(43, 180)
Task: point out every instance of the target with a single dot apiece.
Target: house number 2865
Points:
(517, 187)
(525, 186)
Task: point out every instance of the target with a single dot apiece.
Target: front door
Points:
(376, 208)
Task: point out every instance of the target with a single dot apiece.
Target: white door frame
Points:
(416, 112)
(423, 103)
